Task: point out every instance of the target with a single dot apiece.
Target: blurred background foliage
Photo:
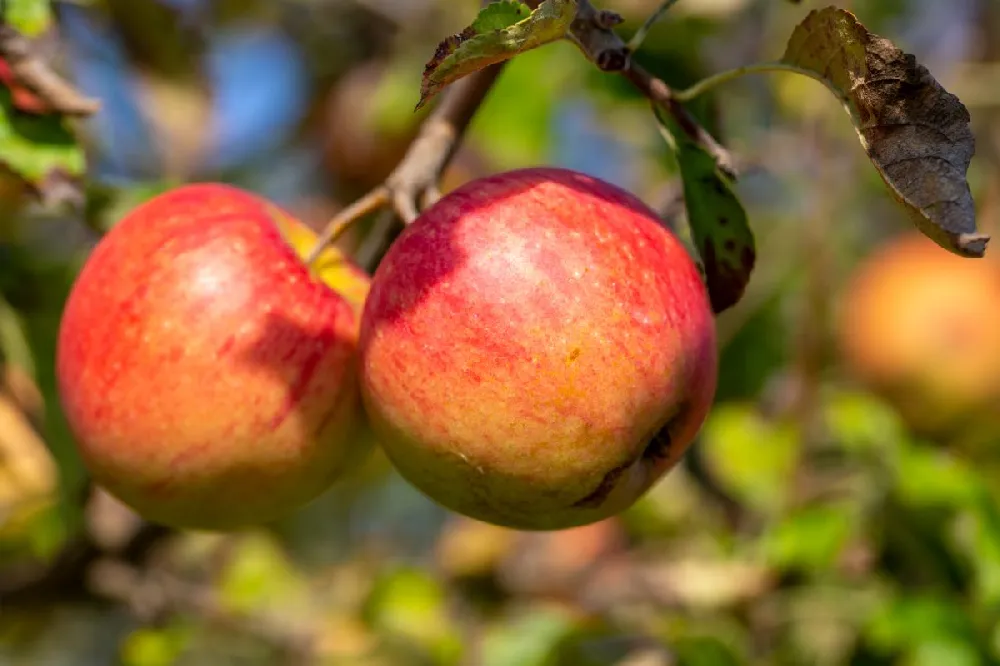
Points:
(840, 506)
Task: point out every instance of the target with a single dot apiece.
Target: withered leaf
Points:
(501, 31)
(719, 226)
(915, 132)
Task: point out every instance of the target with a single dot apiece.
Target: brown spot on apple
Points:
(603, 489)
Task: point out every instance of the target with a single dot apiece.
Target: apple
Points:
(919, 326)
(209, 378)
(358, 150)
(536, 350)
(361, 147)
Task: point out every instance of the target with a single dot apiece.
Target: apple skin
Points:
(208, 377)
(919, 326)
(537, 350)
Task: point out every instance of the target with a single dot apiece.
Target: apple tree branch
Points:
(35, 74)
(413, 185)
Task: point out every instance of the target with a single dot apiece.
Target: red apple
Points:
(537, 350)
(208, 376)
(920, 326)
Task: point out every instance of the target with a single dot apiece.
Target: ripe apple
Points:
(920, 326)
(537, 350)
(208, 376)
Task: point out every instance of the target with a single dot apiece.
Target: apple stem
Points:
(413, 184)
(369, 203)
(592, 32)
(663, 96)
(710, 82)
(640, 36)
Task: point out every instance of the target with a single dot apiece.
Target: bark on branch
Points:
(31, 71)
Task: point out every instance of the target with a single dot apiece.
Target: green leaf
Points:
(260, 575)
(904, 623)
(500, 15)
(410, 604)
(915, 132)
(731, 445)
(48, 532)
(513, 126)
(704, 651)
(39, 148)
(928, 477)
(15, 347)
(156, 646)
(810, 539)
(944, 651)
(719, 225)
(981, 543)
(529, 639)
(501, 31)
(862, 422)
(29, 17)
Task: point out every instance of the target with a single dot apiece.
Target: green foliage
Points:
(30, 17)
(751, 455)
(156, 646)
(716, 217)
(259, 574)
(502, 31)
(809, 539)
(408, 605)
(39, 148)
(821, 529)
(514, 125)
(527, 639)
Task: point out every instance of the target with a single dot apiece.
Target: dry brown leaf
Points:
(915, 132)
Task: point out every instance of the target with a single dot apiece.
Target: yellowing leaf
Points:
(915, 133)
(501, 31)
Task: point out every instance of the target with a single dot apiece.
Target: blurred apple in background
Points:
(369, 123)
(921, 327)
(365, 133)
